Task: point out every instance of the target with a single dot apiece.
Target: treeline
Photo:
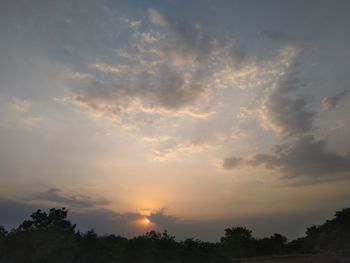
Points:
(50, 237)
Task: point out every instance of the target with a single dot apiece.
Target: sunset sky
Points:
(194, 115)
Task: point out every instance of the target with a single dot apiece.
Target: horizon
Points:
(47, 212)
(180, 115)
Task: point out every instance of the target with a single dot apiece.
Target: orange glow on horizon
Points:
(144, 222)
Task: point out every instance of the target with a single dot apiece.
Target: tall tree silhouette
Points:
(238, 242)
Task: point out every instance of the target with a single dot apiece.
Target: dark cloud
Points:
(305, 159)
(329, 103)
(161, 219)
(232, 162)
(57, 196)
(106, 221)
(287, 115)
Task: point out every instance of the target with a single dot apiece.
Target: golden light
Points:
(143, 222)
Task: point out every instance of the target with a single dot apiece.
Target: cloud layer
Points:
(304, 159)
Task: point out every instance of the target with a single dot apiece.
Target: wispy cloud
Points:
(107, 68)
(79, 75)
(33, 120)
(180, 148)
(156, 139)
(20, 105)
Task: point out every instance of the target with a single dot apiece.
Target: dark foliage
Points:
(274, 245)
(50, 237)
(238, 242)
(333, 234)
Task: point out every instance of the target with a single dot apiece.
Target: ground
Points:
(319, 258)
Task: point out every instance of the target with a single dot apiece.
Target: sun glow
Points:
(144, 222)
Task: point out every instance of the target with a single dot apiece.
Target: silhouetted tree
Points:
(56, 219)
(273, 245)
(333, 234)
(238, 242)
(3, 235)
(43, 238)
(3, 232)
(313, 234)
(299, 246)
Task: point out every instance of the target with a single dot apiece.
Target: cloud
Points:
(232, 163)
(239, 134)
(133, 23)
(80, 201)
(106, 221)
(330, 103)
(19, 105)
(79, 76)
(286, 115)
(166, 72)
(191, 44)
(157, 18)
(161, 219)
(149, 38)
(110, 68)
(305, 159)
(167, 90)
(156, 139)
(174, 69)
(179, 148)
(172, 90)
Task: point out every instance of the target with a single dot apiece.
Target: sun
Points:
(144, 222)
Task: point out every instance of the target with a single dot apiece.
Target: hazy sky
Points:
(198, 115)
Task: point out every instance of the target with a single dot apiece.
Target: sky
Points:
(190, 116)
